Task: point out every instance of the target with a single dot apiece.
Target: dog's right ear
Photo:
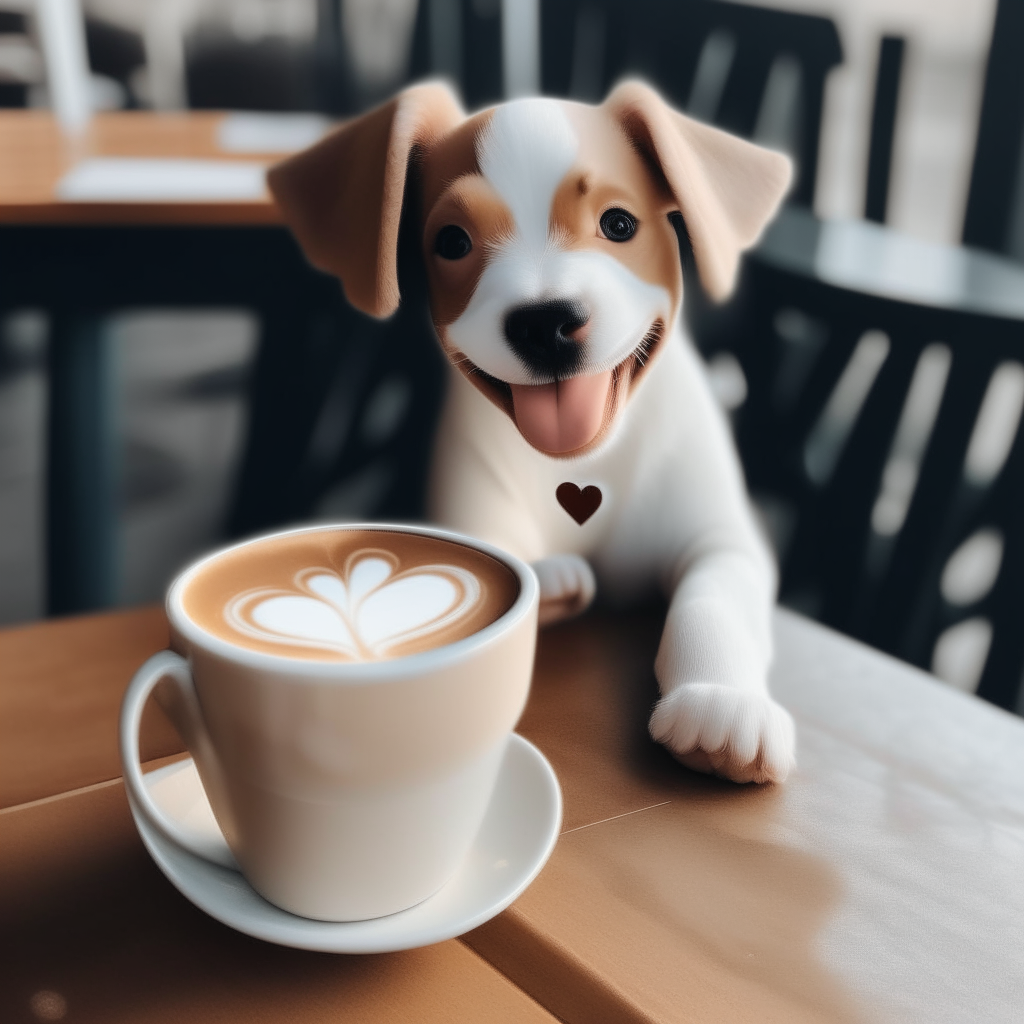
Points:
(727, 188)
(343, 197)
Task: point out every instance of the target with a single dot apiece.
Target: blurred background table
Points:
(35, 156)
(881, 882)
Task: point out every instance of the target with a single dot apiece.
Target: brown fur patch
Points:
(617, 176)
(471, 204)
(455, 192)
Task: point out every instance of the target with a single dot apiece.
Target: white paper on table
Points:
(143, 179)
(270, 133)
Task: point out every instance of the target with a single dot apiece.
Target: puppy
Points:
(579, 430)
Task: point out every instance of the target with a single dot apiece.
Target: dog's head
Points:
(552, 262)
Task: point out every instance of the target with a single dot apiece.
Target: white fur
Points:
(674, 516)
(565, 580)
(674, 512)
(525, 153)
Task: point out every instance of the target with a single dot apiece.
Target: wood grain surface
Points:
(61, 683)
(91, 932)
(882, 882)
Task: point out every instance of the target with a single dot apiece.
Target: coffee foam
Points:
(349, 595)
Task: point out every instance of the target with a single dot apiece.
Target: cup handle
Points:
(171, 667)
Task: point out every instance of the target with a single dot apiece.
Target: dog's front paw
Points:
(742, 736)
(567, 586)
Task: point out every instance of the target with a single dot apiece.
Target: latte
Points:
(348, 594)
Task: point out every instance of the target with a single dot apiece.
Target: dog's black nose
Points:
(539, 335)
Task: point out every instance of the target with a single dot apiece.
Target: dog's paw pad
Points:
(742, 736)
(567, 586)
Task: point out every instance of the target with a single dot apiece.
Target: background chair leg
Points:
(883, 126)
(82, 478)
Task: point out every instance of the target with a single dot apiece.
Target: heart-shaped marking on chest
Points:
(581, 505)
(363, 613)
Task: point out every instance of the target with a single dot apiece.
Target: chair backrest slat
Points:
(996, 177)
(668, 44)
(873, 468)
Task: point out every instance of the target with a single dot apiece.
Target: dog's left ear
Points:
(343, 197)
(727, 189)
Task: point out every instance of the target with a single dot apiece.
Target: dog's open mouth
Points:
(565, 415)
(569, 416)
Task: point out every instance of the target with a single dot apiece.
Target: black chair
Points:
(79, 276)
(875, 486)
(338, 404)
(891, 52)
(994, 218)
(113, 52)
(341, 418)
(461, 40)
(13, 93)
(456, 39)
(270, 74)
(759, 73)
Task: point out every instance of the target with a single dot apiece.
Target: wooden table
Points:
(81, 261)
(34, 156)
(91, 927)
(883, 882)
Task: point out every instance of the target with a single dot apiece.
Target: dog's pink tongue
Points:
(564, 416)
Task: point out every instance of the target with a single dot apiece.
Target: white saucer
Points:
(514, 842)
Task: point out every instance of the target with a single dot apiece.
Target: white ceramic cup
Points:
(345, 790)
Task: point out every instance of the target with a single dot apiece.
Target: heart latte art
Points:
(348, 594)
(364, 614)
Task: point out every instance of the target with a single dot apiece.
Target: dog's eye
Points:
(452, 243)
(618, 225)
